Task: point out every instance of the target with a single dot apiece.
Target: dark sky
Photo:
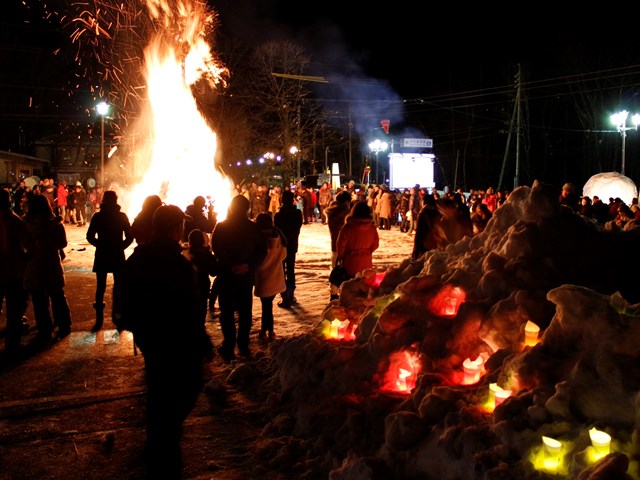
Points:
(417, 44)
(401, 52)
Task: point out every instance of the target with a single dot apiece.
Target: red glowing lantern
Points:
(376, 279)
(401, 377)
(447, 301)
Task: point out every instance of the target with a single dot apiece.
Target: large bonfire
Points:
(153, 55)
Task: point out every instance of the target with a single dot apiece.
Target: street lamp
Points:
(103, 109)
(376, 147)
(293, 150)
(620, 121)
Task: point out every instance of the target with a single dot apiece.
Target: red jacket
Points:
(357, 241)
(62, 195)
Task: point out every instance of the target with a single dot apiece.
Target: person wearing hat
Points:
(80, 204)
(160, 305)
(569, 197)
(110, 232)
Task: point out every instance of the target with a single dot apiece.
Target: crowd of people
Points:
(74, 203)
(186, 261)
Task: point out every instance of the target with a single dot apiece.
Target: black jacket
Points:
(160, 306)
(289, 220)
(237, 241)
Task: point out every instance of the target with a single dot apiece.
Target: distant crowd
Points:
(73, 203)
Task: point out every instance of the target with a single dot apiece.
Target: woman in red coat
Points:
(358, 239)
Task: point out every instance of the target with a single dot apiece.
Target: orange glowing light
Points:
(177, 159)
(447, 301)
(403, 371)
(531, 332)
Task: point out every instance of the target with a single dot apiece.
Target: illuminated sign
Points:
(417, 142)
(407, 169)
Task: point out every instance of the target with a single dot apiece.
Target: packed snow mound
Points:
(459, 364)
(610, 185)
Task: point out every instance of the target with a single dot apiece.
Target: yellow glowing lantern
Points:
(531, 332)
(601, 443)
(552, 452)
(335, 325)
(326, 328)
(472, 370)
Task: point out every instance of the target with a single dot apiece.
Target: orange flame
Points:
(178, 160)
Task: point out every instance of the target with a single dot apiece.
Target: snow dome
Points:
(610, 185)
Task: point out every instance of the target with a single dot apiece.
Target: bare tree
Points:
(276, 99)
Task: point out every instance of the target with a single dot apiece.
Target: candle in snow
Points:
(402, 379)
(601, 442)
(335, 324)
(472, 370)
(552, 451)
(531, 332)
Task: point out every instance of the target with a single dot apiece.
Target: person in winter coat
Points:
(270, 278)
(44, 276)
(61, 199)
(142, 226)
(384, 206)
(336, 214)
(160, 308)
(357, 240)
(240, 247)
(204, 263)
(289, 220)
(80, 204)
(12, 264)
(198, 219)
(275, 200)
(110, 232)
(325, 197)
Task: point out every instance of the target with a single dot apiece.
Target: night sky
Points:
(445, 72)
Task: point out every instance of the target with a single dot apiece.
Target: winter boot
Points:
(286, 300)
(99, 307)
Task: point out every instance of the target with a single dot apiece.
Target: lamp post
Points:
(620, 121)
(376, 147)
(293, 150)
(103, 109)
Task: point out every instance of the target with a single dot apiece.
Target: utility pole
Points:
(516, 118)
(350, 128)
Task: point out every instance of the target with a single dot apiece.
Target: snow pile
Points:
(441, 341)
